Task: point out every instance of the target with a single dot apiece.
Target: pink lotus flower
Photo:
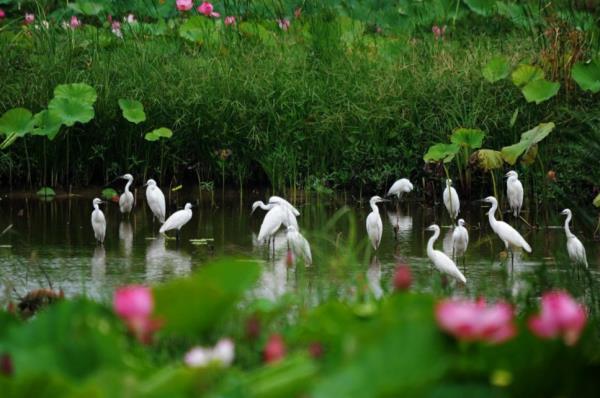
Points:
(29, 18)
(223, 352)
(475, 320)
(134, 305)
(115, 27)
(207, 9)
(184, 5)
(402, 277)
(284, 24)
(230, 20)
(75, 22)
(560, 316)
(438, 33)
(274, 349)
(2, 14)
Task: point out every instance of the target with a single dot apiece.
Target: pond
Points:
(52, 242)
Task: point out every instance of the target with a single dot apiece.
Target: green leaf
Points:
(528, 139)
(133, 110)
(108, 193)
(80, 92)
(469, 138)
(587, 75)
(481, 7)
(524, 74)
(17, 121)
(487, 159)
(257, 31)
(497, 69)
(540, 90)
(86, 7)
(71, 111)
(47, 123)
(199, 29)
(193, 305)
(445, 152)
(156, 134)
(597, 201)
(46, 191)
(513, 118)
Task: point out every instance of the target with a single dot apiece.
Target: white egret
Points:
(451, 201)
(374, 223)
(275, 217)
(574, 246)
(440, 260)
(511, 238)
(514, 192)
(156, 200)
(290, 215)
(400, 187)
(299, 245)
(98, 221)
(126, 199)
(280, 201)
(177, 220)
(460, 239)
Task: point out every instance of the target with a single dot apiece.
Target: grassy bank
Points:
(320, 106)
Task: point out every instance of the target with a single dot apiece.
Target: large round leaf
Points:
(540, 90)
(445, 152)
(528, 140)
(86, 7)
(487, 159)
(524, 74)
(71, 111)
(132, 110)
(497, 69)
(156, 134)
(47, 123)
(469, 138)
(199, 30)
(17, 121)
(587, 76)
(76, 91)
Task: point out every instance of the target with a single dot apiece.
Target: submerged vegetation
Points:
(302, 95)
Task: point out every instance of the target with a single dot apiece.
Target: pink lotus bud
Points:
(205, 8)
(230, 20)
(75, 22)
(274, 349)
(29, 18)
(402, 277)
(560, 316)
(284, 24)
(184, 5)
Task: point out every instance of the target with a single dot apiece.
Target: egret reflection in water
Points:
(161, 261)
(98, 271)
(374, 278)
(402, 224)
(126, 237)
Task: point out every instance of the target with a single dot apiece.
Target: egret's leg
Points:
(177, 239)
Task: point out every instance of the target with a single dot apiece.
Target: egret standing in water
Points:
(177, 220)
(514, 192)
(156, 200)
(290, 218)
(460, 239)
(126, 199)
(280, 201)
(277, 216)
(374, 223)
(511, 238)
(299, 245)
(98, 221)
(440, 260)
(399, 188)
(574, 246)
(451, 201)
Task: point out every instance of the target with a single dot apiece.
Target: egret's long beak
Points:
(146, 184)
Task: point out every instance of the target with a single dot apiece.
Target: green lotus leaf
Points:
(156, 134)
(77, 92)
(199, 29)
(133, 110)
(47, 123)
(86, 7)
(540, 90)
(524, 74)
(528, 139)
(481, 7)
(46, 191)
(16, 121)
(108, 193)
(497, 69)
(488, 159)
(587, 75)
(470, 138)
(71, 111)
(597, 201)
(445, 152)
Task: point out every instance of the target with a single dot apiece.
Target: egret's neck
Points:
(266, 207)
(374, 207)
(567, 229)
(96, 207)
(129, 182)
(492, 215)
(512, 179)
(432, 240)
